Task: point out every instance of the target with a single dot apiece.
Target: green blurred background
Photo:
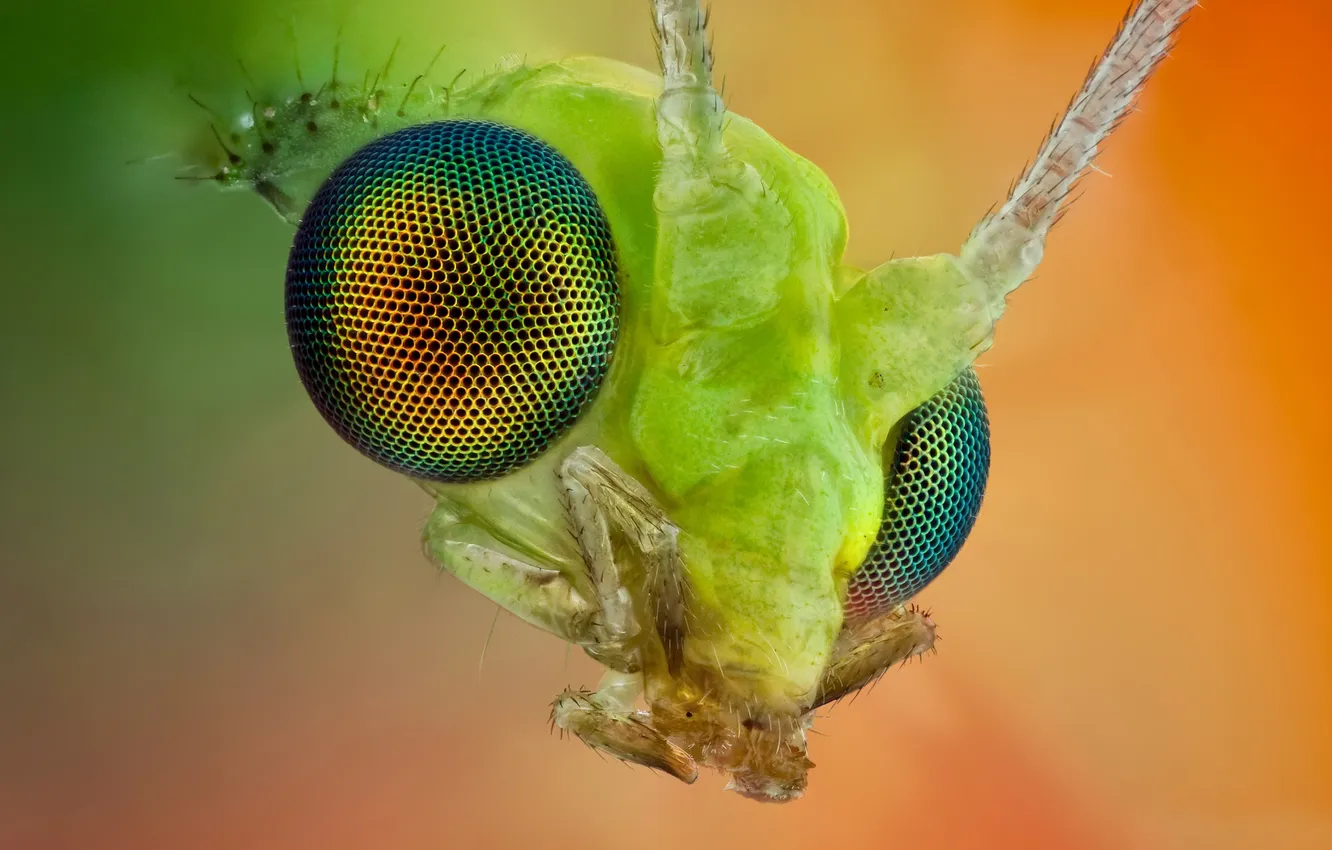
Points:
(216, 629)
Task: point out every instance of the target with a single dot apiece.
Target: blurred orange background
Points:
(217, 631)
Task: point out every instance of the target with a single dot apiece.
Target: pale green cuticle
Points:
(739, 400)
(750, 400)
(696, 529)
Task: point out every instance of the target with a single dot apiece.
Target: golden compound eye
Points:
(933, 492)
(452, 301)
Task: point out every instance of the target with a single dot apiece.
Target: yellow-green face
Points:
(607, 326)
(477, 293)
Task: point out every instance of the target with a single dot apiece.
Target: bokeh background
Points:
(217, 631)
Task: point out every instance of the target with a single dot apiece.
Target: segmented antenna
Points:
(1006, 246)
(689, 113)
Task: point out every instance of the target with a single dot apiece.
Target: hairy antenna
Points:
(689, 113)
(1006, 246)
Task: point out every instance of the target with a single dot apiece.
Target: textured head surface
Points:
(452, 299)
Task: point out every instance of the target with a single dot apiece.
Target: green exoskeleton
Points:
(606, 325)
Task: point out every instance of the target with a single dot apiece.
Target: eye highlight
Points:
(451, 298)
(933, 492)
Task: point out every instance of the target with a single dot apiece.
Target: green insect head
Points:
(607, 326)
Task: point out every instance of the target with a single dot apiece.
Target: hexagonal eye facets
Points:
(933, 492)
(452, 300)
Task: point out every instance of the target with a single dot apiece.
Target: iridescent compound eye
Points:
(452, 301)
(933, 492)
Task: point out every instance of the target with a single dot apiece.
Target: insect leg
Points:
(603, 496)
(615, 624)
(544, 597)
(865, 651)
(601, 499)
(602, 722)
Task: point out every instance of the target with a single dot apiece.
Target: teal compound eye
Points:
(933, 492)
(452, 299)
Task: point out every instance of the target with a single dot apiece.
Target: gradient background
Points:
(216, 629)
